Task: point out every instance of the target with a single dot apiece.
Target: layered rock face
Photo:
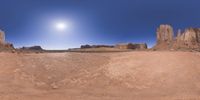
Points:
(165, 33)
(119, 46)
(165, 37)
(141, 46)
(132, 46)
(189, 39)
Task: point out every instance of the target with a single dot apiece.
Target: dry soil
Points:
(139, 75)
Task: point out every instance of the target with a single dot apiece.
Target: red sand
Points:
(139, 75)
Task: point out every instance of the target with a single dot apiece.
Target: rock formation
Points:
(165, 33)
(189, 39)
(2, 37)
(3, 44)
(38, 48)
(141, 46)
(132, 46)
(119, 46)
(96, 46)
(165, 37)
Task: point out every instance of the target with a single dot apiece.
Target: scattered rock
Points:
(13, 51)
(40, 84)
(54, 86)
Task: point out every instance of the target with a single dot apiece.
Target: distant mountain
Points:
(32, 48)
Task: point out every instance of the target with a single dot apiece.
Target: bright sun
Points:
(61, 26)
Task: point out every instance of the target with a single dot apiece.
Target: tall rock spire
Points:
(3, 43)
(165, 37)
(189, 39)
(165, 33)
(2, 37)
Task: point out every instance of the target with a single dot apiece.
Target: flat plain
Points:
(136, 75)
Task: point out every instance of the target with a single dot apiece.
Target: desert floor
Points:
(137, 75)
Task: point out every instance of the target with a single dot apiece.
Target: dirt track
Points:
(141, 75)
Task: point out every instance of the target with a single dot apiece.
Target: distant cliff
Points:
(132, 46)
(189, 39)
(39, 48)
(96, 46)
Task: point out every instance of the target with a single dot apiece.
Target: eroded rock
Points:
(190, 38)
(165, 33)
(132, 46)
(2, 37)
(165, 37)
(3, 44)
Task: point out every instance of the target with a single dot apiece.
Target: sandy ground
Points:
(139, 75)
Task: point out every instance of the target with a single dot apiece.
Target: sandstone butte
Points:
(3, 44)
(166, 40)
(188, 39)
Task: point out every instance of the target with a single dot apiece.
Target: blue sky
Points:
(31, 22)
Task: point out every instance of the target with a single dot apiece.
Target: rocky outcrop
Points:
(141, 46)
(2, 37)
(165, 33)
(165, 37)
(132, 46)
(96, 46)
(119, 46)
(38, 48)
(189, 39)
(8, 45)
(85, 46)
(3, 44)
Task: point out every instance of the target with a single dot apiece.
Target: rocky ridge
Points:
(133, 46)
(189, 39)
(32, 48)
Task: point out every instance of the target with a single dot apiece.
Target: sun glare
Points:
(61, 26)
